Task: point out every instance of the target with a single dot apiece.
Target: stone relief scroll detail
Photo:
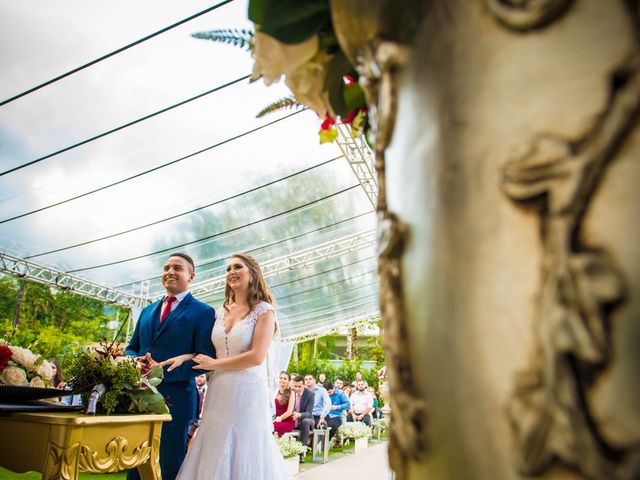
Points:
(523, 15)
(549, 409)
(379, 64)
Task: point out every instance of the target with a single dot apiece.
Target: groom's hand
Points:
(149, 361)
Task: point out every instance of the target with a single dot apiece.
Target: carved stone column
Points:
(508, 144)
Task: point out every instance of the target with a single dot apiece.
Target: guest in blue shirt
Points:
(339, 404)
(321, 401)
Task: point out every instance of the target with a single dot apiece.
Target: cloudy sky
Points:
(41, 39)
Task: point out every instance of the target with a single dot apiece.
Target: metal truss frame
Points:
(361, 160)
(63, 281)
(368, 319)
(299, 259)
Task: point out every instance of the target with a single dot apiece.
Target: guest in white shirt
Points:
(361, 404)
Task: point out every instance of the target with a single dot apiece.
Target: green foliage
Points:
(233, 36)
(53, 324)
(347, 370)
(290, 21)
(127, 389)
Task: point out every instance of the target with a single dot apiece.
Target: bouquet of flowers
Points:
(129, 386)
(289, 446)
(20, 366)
(355, 430)
(297, 40)
(383, 424)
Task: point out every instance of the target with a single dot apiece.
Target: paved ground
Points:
(371, 464)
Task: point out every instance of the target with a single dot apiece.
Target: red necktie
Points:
(297, 408)
(167, 309)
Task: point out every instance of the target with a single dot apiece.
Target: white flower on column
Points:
(306, 82)
(274, 58)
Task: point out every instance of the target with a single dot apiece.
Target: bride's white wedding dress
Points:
(235, 439)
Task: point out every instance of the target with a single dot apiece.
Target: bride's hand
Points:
(203, 362)
(175, 362)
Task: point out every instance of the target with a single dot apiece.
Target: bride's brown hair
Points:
(258, 289)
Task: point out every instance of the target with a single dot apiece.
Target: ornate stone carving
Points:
(549, 411)
(378, 64)
(64, 462)
(116, 458)
(523, 15)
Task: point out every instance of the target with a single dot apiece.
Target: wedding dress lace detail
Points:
(234, 441)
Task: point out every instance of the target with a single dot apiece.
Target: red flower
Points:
(328, 122)
(348, 80)
(5, 356)
(350, 117)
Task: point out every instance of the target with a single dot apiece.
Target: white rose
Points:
(24, 357)
(45, 370)
(13, 376)
(306, 83)
(37, 382)
(274, 58)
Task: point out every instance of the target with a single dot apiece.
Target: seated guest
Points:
(377, 413)
(347, 390)
(283, 422)
(201, 388)
(302, 409)
(358, 378)
(361, 404)
(339, 404)
(322, 377)
(321, 403)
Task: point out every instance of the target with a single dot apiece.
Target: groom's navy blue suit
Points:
(187, 329)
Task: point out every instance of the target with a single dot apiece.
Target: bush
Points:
(347, 370)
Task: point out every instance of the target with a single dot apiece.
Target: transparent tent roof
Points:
(205, 177)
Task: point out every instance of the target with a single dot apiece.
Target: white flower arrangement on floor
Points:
(355, 430)
(289, 446)
(383, 424)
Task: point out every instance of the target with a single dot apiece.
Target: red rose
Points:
(5, 356)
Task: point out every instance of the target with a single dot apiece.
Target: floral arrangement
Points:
(289, 446)
(130, 386)
(297, 40)
(20, 366)
(355, 430)
(383, 424)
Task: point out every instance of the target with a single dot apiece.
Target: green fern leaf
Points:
(282, 104)
(237, 37)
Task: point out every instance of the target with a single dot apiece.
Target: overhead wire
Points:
(146, 172)
(123, 126)
(173, 217)
(273, 287)
(209, 237)
(115, 52)
(255, 249)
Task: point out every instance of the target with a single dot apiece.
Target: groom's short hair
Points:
(298, 378)
(186, 257)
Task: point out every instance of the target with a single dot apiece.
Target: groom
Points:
(175, 325)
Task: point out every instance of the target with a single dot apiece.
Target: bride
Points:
(235, 441)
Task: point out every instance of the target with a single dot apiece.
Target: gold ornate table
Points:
(62, 444)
